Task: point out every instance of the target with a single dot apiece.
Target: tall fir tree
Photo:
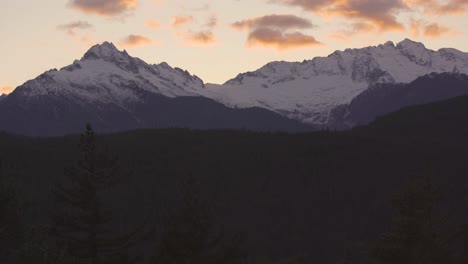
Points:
(191, 235)
(82, 220)
(414, 238)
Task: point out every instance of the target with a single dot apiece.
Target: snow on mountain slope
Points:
(107, 75)
(310, 90)
(307, 91)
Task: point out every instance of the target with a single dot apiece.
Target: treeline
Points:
(180, 196)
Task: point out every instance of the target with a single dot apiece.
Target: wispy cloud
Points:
(181, 20)
(109, 8)
(194, 32)
(136, 41)
(153, 24)
(199, 37)
(429, 30)
(72, 27)
(277, 31)
(353, 29)
(437, 7)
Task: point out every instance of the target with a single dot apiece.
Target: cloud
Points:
(429, 30)
(437, 7)
(310, 5)
(194, 32)
(136, 41)
(71, 27)
(353, 30)
(280, 40)
(434, 30)
(108, 8)
(381, 13)
(274, 21)
(199, 37)
(277, 31)
(181, 20)
(212, 22)
(6, 89)
(153, 24)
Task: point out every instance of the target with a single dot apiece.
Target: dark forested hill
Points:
(325, 196)
(382, 99)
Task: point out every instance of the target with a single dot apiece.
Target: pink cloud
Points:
(136, 41)
(107, 8)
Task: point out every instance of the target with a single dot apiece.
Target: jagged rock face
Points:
(310, 90)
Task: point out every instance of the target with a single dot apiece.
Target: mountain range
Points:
(115, 91)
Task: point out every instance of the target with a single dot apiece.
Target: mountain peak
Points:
(389, 44)
(106, 50)
(408, 43)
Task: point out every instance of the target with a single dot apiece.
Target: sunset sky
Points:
(215, 39)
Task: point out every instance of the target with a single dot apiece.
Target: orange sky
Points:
(215, 39)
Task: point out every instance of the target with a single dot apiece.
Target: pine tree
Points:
(81, 219)
(414, 238)
(191, 236)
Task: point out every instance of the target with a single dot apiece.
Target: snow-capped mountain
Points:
(107, 75)
(115, 92)
(308, 91)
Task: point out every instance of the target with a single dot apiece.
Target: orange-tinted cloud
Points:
(199, 37)
(212, 22)
(136, 41)
(72, 27)
(437, 7)
(277, 31)
(381, 13)
(193, 32)
(435, 30)
(153, 24)
(429, 30)
(274, 21)
(280, 40)
(6, 89)
(181, 20)
(352, 30)
(107, 8)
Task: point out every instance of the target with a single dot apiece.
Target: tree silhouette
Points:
(81, 219)
(414, 238)
(191, 235)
